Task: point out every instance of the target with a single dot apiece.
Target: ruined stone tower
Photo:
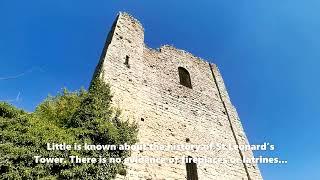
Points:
(176, 98)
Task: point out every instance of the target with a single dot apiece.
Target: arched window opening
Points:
(184, 77)
(192, 173)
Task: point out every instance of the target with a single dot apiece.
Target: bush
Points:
(70, 117)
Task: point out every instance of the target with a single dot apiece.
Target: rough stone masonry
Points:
(176, 98)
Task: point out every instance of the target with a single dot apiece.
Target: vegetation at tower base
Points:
(70, 117)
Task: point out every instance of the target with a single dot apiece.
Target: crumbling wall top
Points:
(133, 19)
(171, 48)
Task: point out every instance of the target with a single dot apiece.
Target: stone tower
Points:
(176, 98)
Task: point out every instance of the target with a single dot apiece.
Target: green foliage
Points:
(8, 111)
(70, 117)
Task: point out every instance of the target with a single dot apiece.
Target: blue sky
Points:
(267, 51)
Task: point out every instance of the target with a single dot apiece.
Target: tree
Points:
(70, 117)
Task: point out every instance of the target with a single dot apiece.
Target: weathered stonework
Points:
(146, 86)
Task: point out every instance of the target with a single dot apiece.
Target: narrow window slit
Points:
(127, 61)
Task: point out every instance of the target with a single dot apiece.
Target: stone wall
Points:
(146, 86)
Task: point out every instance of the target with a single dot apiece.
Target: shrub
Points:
(70, 117)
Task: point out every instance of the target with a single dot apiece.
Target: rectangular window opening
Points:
(192, 173)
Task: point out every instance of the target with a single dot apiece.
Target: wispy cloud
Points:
(22, 74)
(16, 99)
